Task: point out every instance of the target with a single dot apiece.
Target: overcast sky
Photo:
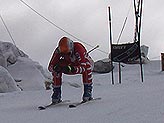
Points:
(86, 19)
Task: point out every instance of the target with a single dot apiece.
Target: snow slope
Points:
(130, 102)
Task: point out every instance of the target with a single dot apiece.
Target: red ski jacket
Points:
(78, 58)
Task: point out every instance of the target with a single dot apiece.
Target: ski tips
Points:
(66, 102)
(41, 108)
(53, 104)
(72, 106)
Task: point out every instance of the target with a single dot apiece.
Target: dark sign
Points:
(125, 52)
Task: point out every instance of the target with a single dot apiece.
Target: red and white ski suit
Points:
(79, 58)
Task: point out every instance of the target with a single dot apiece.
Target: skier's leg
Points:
(87, 81)
(57, 81)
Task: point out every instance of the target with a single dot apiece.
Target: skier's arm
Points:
(84, 63)
(54, 60)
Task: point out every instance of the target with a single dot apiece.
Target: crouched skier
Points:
(71, 58)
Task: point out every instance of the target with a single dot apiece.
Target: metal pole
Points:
(93, 49)
(136, 17)
(122, 30)
(119, 72)
(162, 61)
(139, 37)
(110, 29)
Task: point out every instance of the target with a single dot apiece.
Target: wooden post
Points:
(162, 61)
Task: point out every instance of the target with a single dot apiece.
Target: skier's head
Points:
(65, 45)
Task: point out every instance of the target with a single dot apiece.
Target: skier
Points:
(70, 58)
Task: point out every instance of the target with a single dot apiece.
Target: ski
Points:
(74, 105)
(53, 104)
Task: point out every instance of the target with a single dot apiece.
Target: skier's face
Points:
(64, 49)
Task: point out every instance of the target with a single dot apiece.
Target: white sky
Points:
(86, 19)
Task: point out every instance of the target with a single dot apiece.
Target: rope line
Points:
(10, 34)
(58, 26)
(7, 30)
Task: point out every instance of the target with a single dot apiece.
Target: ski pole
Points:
(93, 49)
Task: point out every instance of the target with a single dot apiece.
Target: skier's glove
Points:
(69, 69)
(57, 68)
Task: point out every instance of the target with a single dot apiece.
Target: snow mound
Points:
(29, 77)
(9, 54)
(7, 83)
(28, 74)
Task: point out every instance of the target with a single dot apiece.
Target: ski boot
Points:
(87, 96)
(56, 96)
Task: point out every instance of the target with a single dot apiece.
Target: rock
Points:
(3, 62)
(103, 66)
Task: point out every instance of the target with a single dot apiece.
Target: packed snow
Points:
(7, 83)
(17, 70)
(129, 102)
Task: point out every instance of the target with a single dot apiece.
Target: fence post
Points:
(162, 61)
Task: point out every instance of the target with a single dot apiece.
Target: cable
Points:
(10, 35)
(7, 30)
(58, 26)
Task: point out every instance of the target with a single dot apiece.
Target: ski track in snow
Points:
(130, 102)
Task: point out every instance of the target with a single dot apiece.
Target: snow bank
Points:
(9, 53)
(29, 77)
(28, 74)
(7, 83)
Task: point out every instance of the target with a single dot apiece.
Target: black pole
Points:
(93, 49)
(122, 30)
(120, 73)
(136, 25)
(139, 37)
(140, 19)
(110, 29)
